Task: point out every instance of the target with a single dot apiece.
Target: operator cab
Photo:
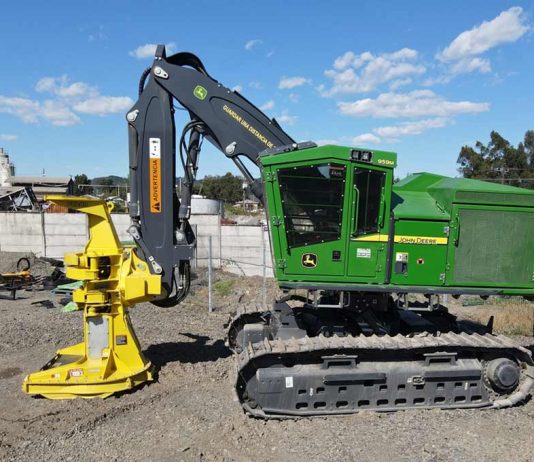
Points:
(329, 210)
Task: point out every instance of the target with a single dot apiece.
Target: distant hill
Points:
(111, 180)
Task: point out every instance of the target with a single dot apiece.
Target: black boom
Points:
(232, 124)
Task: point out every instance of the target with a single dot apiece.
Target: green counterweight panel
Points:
(493, 247)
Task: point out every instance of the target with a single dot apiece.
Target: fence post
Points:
(43, 231)
(210, 299)
(195, 260)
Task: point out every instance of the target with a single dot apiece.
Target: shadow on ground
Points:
(187, 352)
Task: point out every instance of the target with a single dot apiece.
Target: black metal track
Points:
(379, 373)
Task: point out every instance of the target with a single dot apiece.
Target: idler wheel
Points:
(503, 374)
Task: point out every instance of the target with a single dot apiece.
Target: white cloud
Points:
(393, 132)
(66, 101)
(293, 97)
(471, 64)
(252, 43)
(58, 113)
(323, 142)
(365, 138)
(104, 105)
(462, 54)
(418, 103)
(24, 108)
(268, 105)
(464, 66)
(396, 84)
(364, 72)
(287, 83)
(8, 137)
(351, 59)
(30, 111)
(256, 85)
(148, 50)
(98, 34)
(238, 88)
(285, 118)
(508, 27)
(60, 86)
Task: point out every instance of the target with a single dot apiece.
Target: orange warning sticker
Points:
(155, 174)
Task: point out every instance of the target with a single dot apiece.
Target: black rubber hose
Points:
(143, 78)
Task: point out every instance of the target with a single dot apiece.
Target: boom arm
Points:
(232, 124)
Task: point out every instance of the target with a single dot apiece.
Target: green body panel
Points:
(425, 233)
(492, 246)
(426, 262)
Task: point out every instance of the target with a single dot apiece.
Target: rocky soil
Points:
(189, 412)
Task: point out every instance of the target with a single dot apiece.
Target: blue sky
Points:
(419, 78)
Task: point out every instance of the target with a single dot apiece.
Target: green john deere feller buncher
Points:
(341, 232)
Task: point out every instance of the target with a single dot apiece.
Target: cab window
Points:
(312, 202)
(368, 185)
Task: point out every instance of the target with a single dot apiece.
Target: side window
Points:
(312, 202)
(369, 185)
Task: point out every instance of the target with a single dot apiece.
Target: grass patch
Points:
(224, 288)
(511, 317)
(515, 318)
(233, 210)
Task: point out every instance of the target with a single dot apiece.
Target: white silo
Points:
(6, 169)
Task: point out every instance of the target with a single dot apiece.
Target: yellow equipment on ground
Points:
(109, 359)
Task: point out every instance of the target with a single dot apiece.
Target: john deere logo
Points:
(200, 92)
(309, 260)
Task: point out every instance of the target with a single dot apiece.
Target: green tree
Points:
(107, 187)
(500, 161)
(80, 182)
(228, 188)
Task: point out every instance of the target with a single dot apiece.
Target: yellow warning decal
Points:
(155, 174)
(372, 238)
(421, 240)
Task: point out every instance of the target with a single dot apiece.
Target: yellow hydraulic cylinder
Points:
(109, 359)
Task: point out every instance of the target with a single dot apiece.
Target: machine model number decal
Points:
(386, 162)
(154, 146)
(363, 253)
(309, 260)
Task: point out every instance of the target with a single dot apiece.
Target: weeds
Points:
(224, 288)
(512, 316)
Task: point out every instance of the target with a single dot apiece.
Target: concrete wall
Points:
(22, 232)
(235, 248)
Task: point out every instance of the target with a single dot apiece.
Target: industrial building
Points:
(24, 193)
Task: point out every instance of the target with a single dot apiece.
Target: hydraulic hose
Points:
(143, 78)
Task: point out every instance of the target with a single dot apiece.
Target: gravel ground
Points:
(189, 412)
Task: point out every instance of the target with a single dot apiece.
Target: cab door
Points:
(369, 224)
(309, 221)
